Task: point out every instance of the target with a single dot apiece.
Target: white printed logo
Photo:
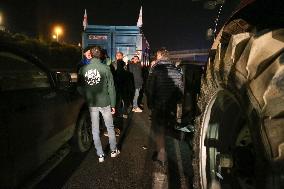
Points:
(92, 77)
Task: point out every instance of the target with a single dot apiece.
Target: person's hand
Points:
(112, 110)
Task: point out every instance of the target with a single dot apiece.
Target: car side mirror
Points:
(63, 80)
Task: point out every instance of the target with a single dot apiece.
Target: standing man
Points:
(164, 92)
(105, 58)
(118, 59)
(117, 73)
(98, 89)
(136, 70)
(124, 90)
(87, 56)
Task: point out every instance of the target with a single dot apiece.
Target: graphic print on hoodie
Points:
(92, 77)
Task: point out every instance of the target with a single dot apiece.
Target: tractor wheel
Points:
(239, 139)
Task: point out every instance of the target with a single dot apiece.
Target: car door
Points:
(74, 101)
(30, 107)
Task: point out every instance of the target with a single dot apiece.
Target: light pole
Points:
(1, 19)
(57, 31)
(1, 22)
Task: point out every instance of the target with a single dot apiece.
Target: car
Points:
(41, 114)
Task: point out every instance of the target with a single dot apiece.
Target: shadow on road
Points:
(126, 129)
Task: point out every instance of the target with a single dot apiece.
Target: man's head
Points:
(96, 51)
(163, 54)
(87, 52)
(119, 56)
(135, 59)
(104, 54)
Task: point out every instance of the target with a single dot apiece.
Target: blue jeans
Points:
(135, 99)
(106, 113)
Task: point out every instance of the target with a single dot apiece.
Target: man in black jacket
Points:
(136, 69)
(124, 89)
(164, 91)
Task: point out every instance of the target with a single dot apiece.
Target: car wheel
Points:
(82, 139)
(239, 139)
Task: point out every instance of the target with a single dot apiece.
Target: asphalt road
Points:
(133, 168)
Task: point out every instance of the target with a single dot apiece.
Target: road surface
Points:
(133, 168)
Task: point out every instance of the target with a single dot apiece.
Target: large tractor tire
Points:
(239, 139)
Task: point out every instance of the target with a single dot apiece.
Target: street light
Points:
(58, 31)
(1, 18)
(2, 28)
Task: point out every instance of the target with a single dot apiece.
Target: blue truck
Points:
(127, 39)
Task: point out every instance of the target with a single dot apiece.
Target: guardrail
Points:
(194, 54)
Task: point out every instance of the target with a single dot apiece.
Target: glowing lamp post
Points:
(1, 22)
(58, 31)
(1, 19)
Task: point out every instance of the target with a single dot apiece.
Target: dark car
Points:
(41, 112)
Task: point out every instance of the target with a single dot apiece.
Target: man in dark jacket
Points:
(124, 90)
(136, 70)
(120, 80)
(118, 60)
(121, 87)
(164, 91)
(97, 86)
(87, 56)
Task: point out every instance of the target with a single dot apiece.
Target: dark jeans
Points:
(122, 105)
(160, 123)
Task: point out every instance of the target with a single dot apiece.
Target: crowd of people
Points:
(116, 88)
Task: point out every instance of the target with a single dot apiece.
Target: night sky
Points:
(174, 24)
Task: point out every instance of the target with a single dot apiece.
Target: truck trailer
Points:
(126, 39)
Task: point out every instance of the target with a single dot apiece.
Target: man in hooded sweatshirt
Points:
(97, 86)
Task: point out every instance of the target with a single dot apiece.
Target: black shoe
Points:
(117, 132)
(160, 163)
(157, 161)
(154, 156)
(160, 167)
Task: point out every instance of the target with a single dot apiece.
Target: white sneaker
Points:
(138, 110)
(106, 133)
(114, 153)
(101, 158)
